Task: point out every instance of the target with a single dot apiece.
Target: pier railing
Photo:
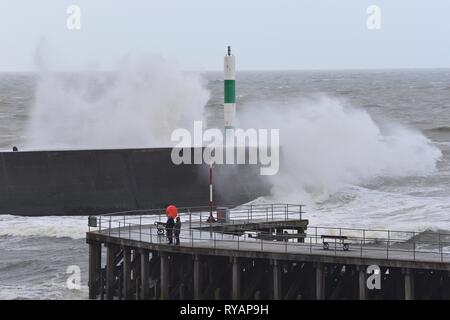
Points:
(142, 226)
(246, 211)
(197, 216)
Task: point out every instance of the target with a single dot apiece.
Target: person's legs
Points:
(177, 238)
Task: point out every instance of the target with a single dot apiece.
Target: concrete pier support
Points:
(164, 276)
(126, 272)
(136, 273)
(409, 284)
(277, 288)
(197, 280)
(182, 290)
(95, 262)
(320, 281)
(110, 266)
(362, 283)
(217, 294)
(145, 289)
(236, 279)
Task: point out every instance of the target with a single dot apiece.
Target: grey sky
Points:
(282, 34)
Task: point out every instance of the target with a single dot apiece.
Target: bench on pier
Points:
(160, 227)
(337, 239)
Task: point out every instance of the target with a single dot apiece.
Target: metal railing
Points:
(368, 243)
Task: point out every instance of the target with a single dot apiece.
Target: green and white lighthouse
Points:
(229, 70)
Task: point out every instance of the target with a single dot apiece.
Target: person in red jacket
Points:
(170, 224)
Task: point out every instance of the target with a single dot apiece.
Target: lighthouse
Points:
(229, 96)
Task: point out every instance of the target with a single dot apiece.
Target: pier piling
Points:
(164, 272)
(320, 282)
(126, 272)
(362, 282)
(236, 278)
(277, 285)
(95, 260)
(409, 284)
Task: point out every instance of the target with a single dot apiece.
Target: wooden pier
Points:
(261, 252)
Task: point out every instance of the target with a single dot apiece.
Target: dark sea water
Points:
(359, 177)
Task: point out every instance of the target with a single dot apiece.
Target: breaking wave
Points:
(58, 227)
(328, 144)
(139, 105)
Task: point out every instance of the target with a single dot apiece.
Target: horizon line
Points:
(246, 70)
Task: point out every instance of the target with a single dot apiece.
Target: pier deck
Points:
(400, 256)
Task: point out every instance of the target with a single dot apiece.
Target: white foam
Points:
(62, 226)
(359, 207)
(331, 150)
(46, 291)
(328, 144)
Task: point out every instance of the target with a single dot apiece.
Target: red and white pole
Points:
(210, 194)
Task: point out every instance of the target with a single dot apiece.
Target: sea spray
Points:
(328, 144)
(139, 105)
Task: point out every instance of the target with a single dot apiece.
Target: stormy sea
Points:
(362, 148)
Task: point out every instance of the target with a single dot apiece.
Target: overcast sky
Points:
(281, 34)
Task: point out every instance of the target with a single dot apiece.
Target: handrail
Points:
(204, 208)
(366, 241)
(286, 245)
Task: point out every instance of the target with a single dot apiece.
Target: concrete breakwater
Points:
(83, 182)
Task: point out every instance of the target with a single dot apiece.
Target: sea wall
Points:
(83, 182)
